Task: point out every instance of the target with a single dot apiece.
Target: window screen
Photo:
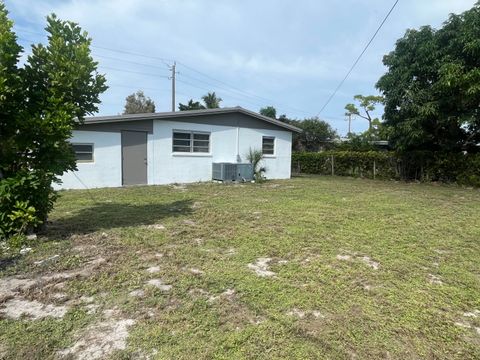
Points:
(83, 152)
(191, 142)
(268, 145)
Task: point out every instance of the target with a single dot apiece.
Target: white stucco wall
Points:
(166, 167)
(187, 167)
(106, 168)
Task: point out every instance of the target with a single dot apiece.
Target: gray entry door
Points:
(134, 157)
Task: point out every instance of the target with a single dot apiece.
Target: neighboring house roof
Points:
(177, 114)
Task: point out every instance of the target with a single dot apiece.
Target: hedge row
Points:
(425, 166)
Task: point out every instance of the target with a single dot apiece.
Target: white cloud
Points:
(294, 52)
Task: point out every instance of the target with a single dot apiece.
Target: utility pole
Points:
(349, 123)
(172, 68)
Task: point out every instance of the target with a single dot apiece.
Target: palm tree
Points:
(191, 105)
(255, 156)
(211, 100)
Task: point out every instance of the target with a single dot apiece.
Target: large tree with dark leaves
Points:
(315, 133)
(40, 104)
(432, 86)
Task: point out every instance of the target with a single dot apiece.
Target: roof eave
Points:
(168, 115)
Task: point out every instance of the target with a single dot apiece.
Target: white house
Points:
(174, 147)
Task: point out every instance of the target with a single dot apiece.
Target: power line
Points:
(133, 72)
(358, 58)
(217, 86)
(104, 48)
(242, 92)
(244, 97)
(128, 61)
(226, 87)
(206, 89)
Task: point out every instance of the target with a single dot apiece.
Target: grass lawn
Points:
(308, 268)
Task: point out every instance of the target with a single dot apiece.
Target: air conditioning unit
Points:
(232, 172)
(244, 172)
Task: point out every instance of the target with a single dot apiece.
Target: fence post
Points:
(374, 169)
(333, 166)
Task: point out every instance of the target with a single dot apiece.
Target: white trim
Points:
(192, 154)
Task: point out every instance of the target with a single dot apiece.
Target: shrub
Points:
(25, 201)
(255, 156)
(463, 169)
(347, 163)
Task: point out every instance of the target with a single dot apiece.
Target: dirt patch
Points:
(84, 248)
(196, 205)
(233, 314)
(16, 308)
(305, 313)
(297, 313)
(179, 187)
(195, 271)
(261, 267)
(158, 283)
(47, 260)
(153, 269)
(14, 285)
(472, 314)
(344, 257)
(198, 292)
(373, 264)
(230, 252)
(155, 227)
(34, 293)
(468, 321)
(10, 286)
(198, 241)
(365, 259)
(434, 279)
(228, 294)
(137, 293)
(101, 339)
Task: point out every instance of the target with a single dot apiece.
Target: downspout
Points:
(238, 144)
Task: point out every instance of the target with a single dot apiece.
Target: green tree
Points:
(367, 104)
(191, 105)
(432, 86)
(211, 100)
(316, 134)
(138, 103)
(269, 111)
(40, 104)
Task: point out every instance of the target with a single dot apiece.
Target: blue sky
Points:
(289, 54)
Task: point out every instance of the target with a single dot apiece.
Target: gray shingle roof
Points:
(171, 114)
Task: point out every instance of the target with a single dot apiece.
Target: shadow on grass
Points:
(104, 216)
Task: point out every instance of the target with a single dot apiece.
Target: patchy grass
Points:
(313, 267)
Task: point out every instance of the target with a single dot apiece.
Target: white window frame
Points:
(274, 145)
(192, 133)
(84, 152)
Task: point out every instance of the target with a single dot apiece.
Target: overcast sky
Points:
(287, 53)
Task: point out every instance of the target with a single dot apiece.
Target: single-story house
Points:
(174, 147)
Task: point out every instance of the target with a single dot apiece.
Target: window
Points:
(83, 152)
(188, 141)
(268, 145)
